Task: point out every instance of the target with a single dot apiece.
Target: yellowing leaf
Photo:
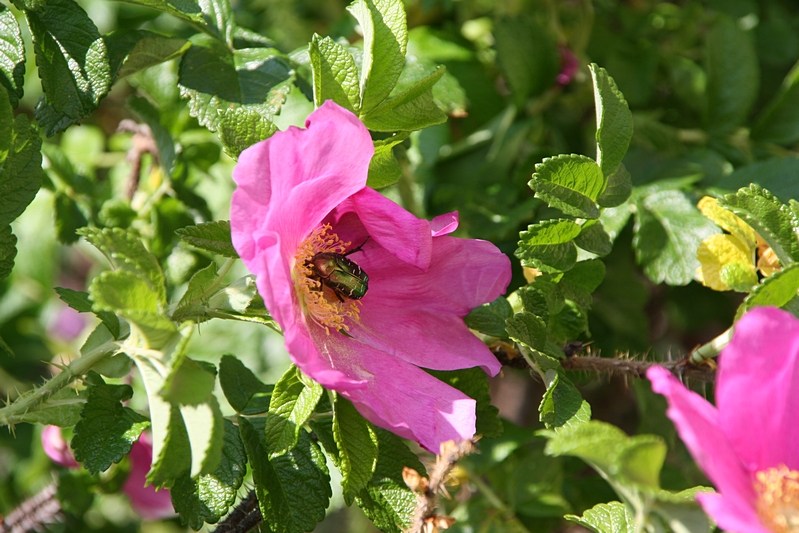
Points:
(728, 221)
(726, 264)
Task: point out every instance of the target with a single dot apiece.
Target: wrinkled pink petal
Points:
(317, 363)
(56, 448)
(757, 389)
(146, 501)
(731, 515)
(444, 224)
(697, 422)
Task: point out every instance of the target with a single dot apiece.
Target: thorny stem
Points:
(13, 412)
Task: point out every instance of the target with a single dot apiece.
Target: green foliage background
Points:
(713, 91)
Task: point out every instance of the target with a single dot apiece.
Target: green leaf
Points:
(335, 76)
(21, 171)
(61, 409)
(149, 114)
(107, 429)
(385, 40)
(614, 123)
(293, 489)
(473, 382)
(490, 318)
(548, 245)
(384, 169)
(776, 174)
(568, 323)
(571, 183)
(528, 329)
(6, 122)
(581, 281)
(562, 404)
(293, 401)
(613, 517)
(208, 497)
(213, 77)
(130, 51)
(594, 239)
(411, 110)
(356, 442)
(188, 10)
(241, 127)
(596, 443)
(73, 64)
(8, 251)
(772, 220)
(776, 290)
(668, 232)
(213, 237)
(192, 304)
(527, 54)
(682, 513)
(245, 392)
(82, 303)
(779, 122)
(12, 57)
(387, 500)
(68, 218)
(113, 365)
(641, 460)
(733, 76)
(618, 189)
(214, 17)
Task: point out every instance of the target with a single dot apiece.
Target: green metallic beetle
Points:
(343, 276)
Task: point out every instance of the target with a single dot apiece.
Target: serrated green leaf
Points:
(776, 290)
(191, 304)
(425, 51)
(548, 246)
(534, 299)
(597, 443)
(213, 77)
(613, 517)
(594, 239)
(733, 75)
(527, 54)
(73, 64)
(581, 281)
(68, 218)
(473, 382)
(188, 10)
(618, 189)
(61, 409)
(208, 497)
(562, 404)
(356, 442)
(568, 323)
(571, 183)
(385, 39)
(614, 122)
(82, 303)
(777, 175)
(149, 114)
(641, 460)
(411, 110)
(8, 251)
(490, 318)
(6, 120)
(130, 51)
(387, 500)
(241, 127)
(107, 429)
(528, 329)
(772, 220)
(21, 172)
(213, 237)
(384, 169)
(12, 56)
(779, 122)
(293, 489)
(293, 401)
(668, 232)
(245, 392)
(335, 76)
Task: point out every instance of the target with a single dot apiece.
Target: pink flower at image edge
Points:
(748, 444)
(303, 192)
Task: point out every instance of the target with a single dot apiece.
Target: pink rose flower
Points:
(302, 193)
(569, 65)
(748, 444)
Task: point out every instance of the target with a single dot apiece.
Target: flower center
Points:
(320, 301)
(778, 499)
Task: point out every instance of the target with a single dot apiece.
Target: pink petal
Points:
(697, 423)
(56, 448)
(757, 389)
(439, 341)
(146, 501)
(444, 224)
(316, 360)
(730, 515)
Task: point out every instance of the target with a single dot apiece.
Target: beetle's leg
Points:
(358, 248)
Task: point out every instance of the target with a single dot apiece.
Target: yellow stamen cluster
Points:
(778, 499)
(319, 301)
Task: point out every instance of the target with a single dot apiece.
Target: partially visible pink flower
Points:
(303, 192)
(748, 444)
(146, 501)
(57, 448)
(569, 64)
(66, 323)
